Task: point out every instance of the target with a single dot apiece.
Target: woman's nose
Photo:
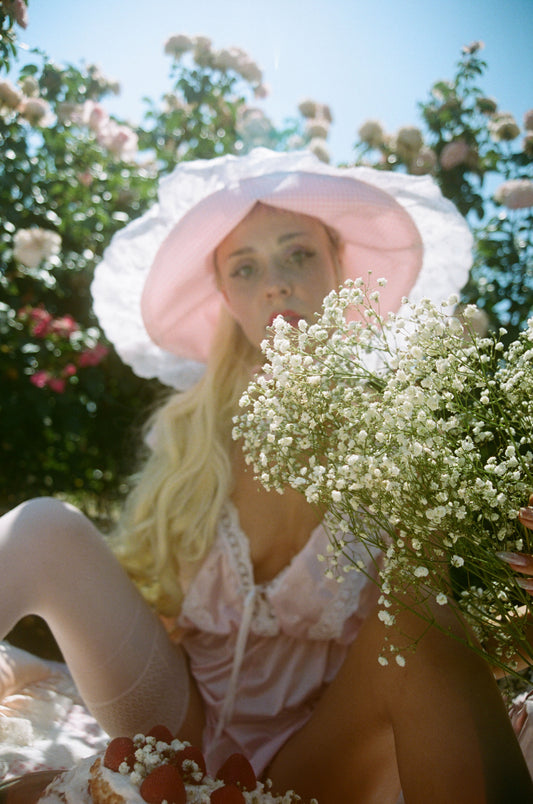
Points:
(276, 282)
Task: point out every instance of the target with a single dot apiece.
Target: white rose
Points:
(32, 246)
(503, 126)
(515, 194)
(318, 148)
(307, 108)
(372, 133)
(9, 95)
(178, 44)
(36, 111)
(453, 154)
(317, 127)
(408, 142)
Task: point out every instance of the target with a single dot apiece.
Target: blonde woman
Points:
(231, 634)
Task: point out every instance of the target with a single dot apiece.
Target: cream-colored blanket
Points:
(43, 722)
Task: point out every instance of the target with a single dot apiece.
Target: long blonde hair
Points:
(171, 513)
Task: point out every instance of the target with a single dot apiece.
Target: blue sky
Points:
(365, 59)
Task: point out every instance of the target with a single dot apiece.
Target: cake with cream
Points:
(158, 769)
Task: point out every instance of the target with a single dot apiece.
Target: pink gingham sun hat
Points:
(155, 290)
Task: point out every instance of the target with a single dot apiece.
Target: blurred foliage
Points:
(71, 175)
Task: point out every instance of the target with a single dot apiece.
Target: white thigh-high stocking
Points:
(54, 563)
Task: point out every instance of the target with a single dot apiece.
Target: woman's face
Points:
(275, 263)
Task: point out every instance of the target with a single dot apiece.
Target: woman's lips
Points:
(290, 316)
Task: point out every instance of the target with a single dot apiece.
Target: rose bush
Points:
(70, 176)
(469, 145)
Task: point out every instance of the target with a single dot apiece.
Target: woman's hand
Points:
(522, 562)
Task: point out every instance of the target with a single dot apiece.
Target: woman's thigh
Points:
(436, 728)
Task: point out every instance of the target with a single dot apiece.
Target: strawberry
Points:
(237, 770)
(164, 783)
(229, 794)
(190, 752)
(119, 750)
(161, 734)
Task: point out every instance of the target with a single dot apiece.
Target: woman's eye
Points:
(299, 256)
(243, 271)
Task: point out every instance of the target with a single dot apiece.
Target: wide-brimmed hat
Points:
(155, 291)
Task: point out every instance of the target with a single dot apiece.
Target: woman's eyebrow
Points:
(250, 249)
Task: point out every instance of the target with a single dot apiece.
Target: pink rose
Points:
(69, 370)
(42, 319)
(92, 356)
(40, 379)
(64, 326)
(57, 384)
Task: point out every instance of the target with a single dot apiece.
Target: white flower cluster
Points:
(416, 434)
(232, 59)
(32, 246)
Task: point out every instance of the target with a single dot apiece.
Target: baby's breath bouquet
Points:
(415, 434)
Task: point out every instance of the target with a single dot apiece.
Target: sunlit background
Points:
(372, 59)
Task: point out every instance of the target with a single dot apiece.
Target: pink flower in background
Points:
(69, 370)
(120, 140)
(92, 356)
(42, 319)
(515, 194)
(93, 115)
(453, 154)
(40, 379)
(57, 384)
(64, 326)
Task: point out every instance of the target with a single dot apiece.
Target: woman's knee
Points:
(46, 521)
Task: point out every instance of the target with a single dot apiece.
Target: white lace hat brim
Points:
(155, 293)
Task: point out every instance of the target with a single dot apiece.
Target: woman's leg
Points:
(54, 563)
(436, 728)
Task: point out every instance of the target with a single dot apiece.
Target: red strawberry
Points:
(190, 752)
(164, 783)
(229, 794)
(119, 750)
(161, 734)
(237, 770)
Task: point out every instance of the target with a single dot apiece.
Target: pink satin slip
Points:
(262, 654)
